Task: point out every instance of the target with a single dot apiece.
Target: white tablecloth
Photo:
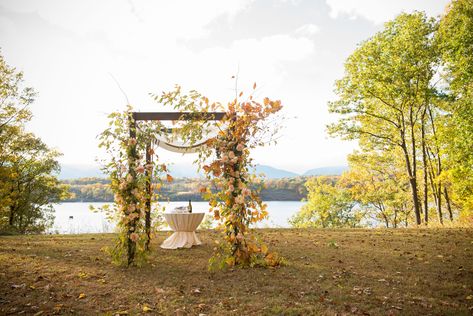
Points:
(184, 226)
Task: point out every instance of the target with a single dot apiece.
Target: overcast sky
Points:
(294, 50)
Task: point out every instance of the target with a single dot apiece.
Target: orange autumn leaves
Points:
(237, 203)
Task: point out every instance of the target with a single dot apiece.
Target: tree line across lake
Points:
(182, 189)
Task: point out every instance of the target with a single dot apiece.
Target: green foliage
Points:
(455, 38)
(28, 186)
(407, 97)
(328, 206)
(377, 182)
(130, 177)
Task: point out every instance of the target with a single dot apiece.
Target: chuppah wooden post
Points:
(149, 176)
(131, 245)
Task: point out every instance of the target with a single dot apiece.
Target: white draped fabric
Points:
(169, 141)
(184, 226)
(179, 149)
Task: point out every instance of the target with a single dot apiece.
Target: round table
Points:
(184, 226)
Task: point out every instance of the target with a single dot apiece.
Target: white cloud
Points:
(123, 21)
(308, 30)
(261, 60)
(379, 11)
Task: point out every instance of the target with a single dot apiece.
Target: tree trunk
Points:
(439, 167)
(131, 245)
(449, 207)
(395, 219)
(413, 185)
(424, 162)
(439, 203)
(149, 174)
(413, 179)
(11, 216)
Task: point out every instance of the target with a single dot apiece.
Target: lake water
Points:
(77, 218)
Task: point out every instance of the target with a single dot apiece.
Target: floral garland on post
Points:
(130, 177)
(234, 200)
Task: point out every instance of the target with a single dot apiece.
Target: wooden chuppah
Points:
(164, 116)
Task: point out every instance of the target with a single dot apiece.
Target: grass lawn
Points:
(329, 272)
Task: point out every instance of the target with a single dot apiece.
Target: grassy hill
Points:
(328, 272)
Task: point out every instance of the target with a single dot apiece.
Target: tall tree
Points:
(28, 186)
(386, 87)
(14, 112)
(455, 38)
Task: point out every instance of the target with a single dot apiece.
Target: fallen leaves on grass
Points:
(333, 244)
(147, 309)
(361, 290)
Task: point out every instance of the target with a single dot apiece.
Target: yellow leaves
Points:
(82, 296)
(254, 219)
(273, 260)
(169, 178)
(146, 309)
(269, 258)
(57, 308)
(264, 249)
(230, 261)
(252, 248)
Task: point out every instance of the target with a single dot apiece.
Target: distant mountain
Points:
(326, 171)
(190, 171)
(274, 173)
